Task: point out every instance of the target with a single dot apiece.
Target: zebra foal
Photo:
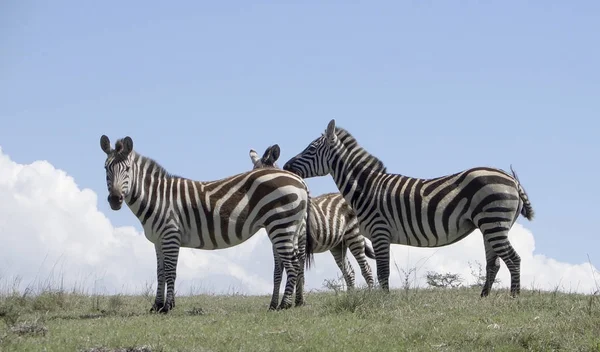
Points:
(178, 212)
(333, 225)
(398, 209)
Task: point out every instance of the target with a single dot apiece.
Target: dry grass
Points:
(412, 319)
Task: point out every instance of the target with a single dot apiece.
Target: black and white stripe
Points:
(177, 212)
(397, 209)
(333, 226)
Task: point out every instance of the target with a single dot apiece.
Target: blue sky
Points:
(429, 87)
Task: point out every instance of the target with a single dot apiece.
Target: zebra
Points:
(393, 208)
(178, 212)
(333, 224)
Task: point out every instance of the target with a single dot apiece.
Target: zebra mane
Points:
(153, 164)
(350, 143)
(118, 155)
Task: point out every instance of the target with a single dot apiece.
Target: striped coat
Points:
(333, 226)
(178, 212)
(397, 209)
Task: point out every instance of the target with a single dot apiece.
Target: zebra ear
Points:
(127, 145)
(275, 152)
(271, 154)
(105, 144)
(330, 132)
(254, 156)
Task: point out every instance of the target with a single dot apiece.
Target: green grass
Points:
(415, 320)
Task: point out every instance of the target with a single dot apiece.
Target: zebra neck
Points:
(148, 181)
(355, 171)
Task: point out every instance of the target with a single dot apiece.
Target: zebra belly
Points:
(203, 240)
(325, 238)
(431, 241)
(326, 242)
(320, 248)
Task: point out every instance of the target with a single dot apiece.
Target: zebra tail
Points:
(309, 238)
(527, 210)
(369, 252)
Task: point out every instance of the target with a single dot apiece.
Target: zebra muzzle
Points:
(115, 201)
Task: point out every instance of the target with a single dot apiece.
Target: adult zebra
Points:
(333, 225)
(178, 212)
(393, 208)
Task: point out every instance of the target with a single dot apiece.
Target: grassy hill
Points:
(405, 320)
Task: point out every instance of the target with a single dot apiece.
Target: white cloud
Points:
(49, 225)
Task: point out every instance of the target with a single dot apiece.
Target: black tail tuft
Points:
(310, 242)
(369, 252)
(527, 210)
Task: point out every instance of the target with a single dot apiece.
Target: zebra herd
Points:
(371, 203)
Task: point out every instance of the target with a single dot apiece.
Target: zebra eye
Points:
(127, 168)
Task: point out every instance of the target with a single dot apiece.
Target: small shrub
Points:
(148, 291)
(443, 280)
(31, 328)
(9, 312)
(49, 301)
(407, 281)
(333, 285)
(361, 300)
(479, 274)
(196, 311)
(115, 303)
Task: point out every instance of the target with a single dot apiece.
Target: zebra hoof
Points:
(384, 289)
(169, 305)
(300, 303)
(156, 307)
(283, 306)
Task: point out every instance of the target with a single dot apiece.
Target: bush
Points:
(443, 280)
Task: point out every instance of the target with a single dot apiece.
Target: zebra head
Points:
(118, 169)
(268, 159)
(315, 160)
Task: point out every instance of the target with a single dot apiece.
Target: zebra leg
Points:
(498, 241)
(381, 246)
(300, 285)
(159, 301)
(290, 263)
(492, 266)
(171, 243)
(341, 259)
(284, 238)
(300, 268)
(277, 273)
(357, 248)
